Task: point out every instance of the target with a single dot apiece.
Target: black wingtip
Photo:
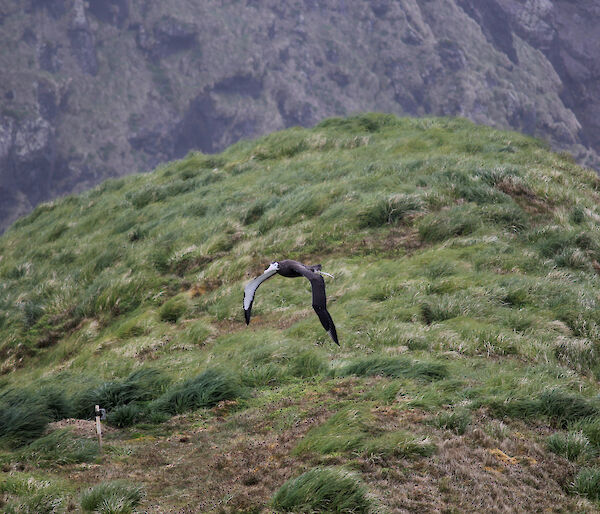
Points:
(334, 338)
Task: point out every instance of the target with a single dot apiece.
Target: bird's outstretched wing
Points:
(251, 288)
(319, 300)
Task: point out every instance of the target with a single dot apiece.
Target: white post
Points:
(98, 427)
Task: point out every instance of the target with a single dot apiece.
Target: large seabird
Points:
(291, 269)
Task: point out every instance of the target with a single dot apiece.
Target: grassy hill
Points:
(465, 296)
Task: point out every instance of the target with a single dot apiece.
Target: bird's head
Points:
(273, 266)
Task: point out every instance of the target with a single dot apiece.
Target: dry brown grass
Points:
(402, 238)
(465, 478)
(235, 462)
(524, 196)
(225, 460)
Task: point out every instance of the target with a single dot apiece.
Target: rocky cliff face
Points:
(93, 89)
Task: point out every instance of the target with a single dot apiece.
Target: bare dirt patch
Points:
(80, 427)
(524, 196)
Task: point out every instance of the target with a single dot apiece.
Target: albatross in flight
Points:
(291, 269)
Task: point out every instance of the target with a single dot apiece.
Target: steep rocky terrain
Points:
(91, 90)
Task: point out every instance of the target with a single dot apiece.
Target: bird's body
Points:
(292, 269)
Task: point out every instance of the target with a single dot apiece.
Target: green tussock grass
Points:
(205, 390)
(465, 287)
(456, 421)
(590, 428)
(572, 445)
(396, 367)
(142, 385)
(587, 483)
(323, 490)
(59, 448)
(25, 493)
(355, 430)
(173, 309)
(560, 407)
(25, 413)
(344, 431)
(307, 364)
(126, 415)
(116, 497)
(398, 444)
(391, 210)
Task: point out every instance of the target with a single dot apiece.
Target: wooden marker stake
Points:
(98, 427)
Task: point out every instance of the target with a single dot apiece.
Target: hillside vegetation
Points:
(465, 296)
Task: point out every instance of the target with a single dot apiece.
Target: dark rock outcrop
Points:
(27, 159)
(495, 23)
(167, 36)
(114, 12)
(33, 157)
(202, 126)
(97, 89)
(83, 45)
(48, 57)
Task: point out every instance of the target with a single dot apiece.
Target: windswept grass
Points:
(397, 444)
(391, 210)
(307, 364)
(142, 385)
(173, 309)
(21, 423)
(59, 448)
(395, 367)
(344, 431)
(205, 390)
(126, 415)
(442, 308)
(24, 493)
(587, 483)
(590, 428)
(49, 399)
(466, 285)
(323, 490)
(559, 406)
(572, 445)
(116, 497)
(355, 430)
(456, 421)
(458, 221)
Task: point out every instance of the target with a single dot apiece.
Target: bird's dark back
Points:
(289, 268)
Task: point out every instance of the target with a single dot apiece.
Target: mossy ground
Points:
(465, 297)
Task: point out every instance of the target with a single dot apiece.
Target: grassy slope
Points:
(465, 297)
